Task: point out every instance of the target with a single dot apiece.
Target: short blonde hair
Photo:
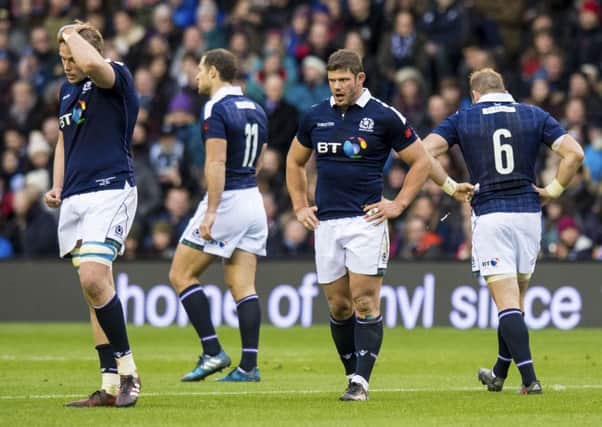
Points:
(487, 80)
(89, 33)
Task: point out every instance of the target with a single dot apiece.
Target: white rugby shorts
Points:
(505, 242)
(97, 216)
(241, 222)
(352, 244)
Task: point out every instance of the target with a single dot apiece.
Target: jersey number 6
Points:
(499, 150)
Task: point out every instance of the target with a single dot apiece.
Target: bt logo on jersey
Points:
(328, 147)
(352, 147)
(76, 115)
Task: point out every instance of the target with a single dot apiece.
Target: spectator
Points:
(572, 245)
(418, 243)
(282, 116)
(34, 232)
(402, 47)
(312, 88)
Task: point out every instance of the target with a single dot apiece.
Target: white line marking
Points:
(554, 387)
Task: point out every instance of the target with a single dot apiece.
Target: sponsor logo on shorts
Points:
(219, 243)
(494, 262)
(119, 230)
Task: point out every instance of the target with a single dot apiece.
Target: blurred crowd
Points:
(417, 56)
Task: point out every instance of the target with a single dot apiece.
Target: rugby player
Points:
(500, 140)
(352, 134)
(93, 183)
(230, 222)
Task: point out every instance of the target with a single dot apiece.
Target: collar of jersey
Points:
(361, 101)
(225, 91)
(496, 97)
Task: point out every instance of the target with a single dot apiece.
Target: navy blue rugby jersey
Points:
(500, 140)
(351, 150)
(97, 126)
(243, 124)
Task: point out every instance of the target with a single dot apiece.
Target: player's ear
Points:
(475, 95)
(361, 77)
(213, 72)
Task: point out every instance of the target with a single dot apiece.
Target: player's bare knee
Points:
(179, 281)
(341, 309)
(92, 284)
(340, 306)
(365, 305)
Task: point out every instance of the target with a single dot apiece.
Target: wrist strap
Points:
(449, 186)
(554, 189)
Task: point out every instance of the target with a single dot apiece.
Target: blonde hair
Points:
(487, 80)
(89, 33)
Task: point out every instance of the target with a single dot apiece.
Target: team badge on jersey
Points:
(366, 124)
(87, 87)
(354, 146)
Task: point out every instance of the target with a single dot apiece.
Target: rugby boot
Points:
(487, 378)
(355, 391)
(208, 365)
(129, 389)
(98, 398)
(238, 375)
(533, 388)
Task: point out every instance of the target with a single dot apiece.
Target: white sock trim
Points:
(110, 383)
(126, 365)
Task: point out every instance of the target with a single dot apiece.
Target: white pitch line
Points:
(553, 387)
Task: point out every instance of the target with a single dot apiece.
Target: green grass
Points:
(422, 377)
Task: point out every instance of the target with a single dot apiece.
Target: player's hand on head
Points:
(464, 192)
(378, 212)
(52, 198)
(206, 225)
(307, 217)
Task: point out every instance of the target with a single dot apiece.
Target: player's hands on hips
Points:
(464, 192)
(378, 212)
(207, 224)
(307, 217)
(544, 197)
(53, 198)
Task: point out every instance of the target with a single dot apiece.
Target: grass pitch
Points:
(423, 377)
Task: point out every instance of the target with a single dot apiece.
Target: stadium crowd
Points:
(417, 55)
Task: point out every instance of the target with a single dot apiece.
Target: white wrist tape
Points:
(449, 186)
(554, 189)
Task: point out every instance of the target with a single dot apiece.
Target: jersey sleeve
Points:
(214, 124)
(304, 131)
(551, 129)
(123, 78)
(401, 133)
(448, 129)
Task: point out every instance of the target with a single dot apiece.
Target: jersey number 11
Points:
(251, 137)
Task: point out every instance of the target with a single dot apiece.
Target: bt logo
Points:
(491, 263)
(76, 115)
(328, 147)
(352, 147)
